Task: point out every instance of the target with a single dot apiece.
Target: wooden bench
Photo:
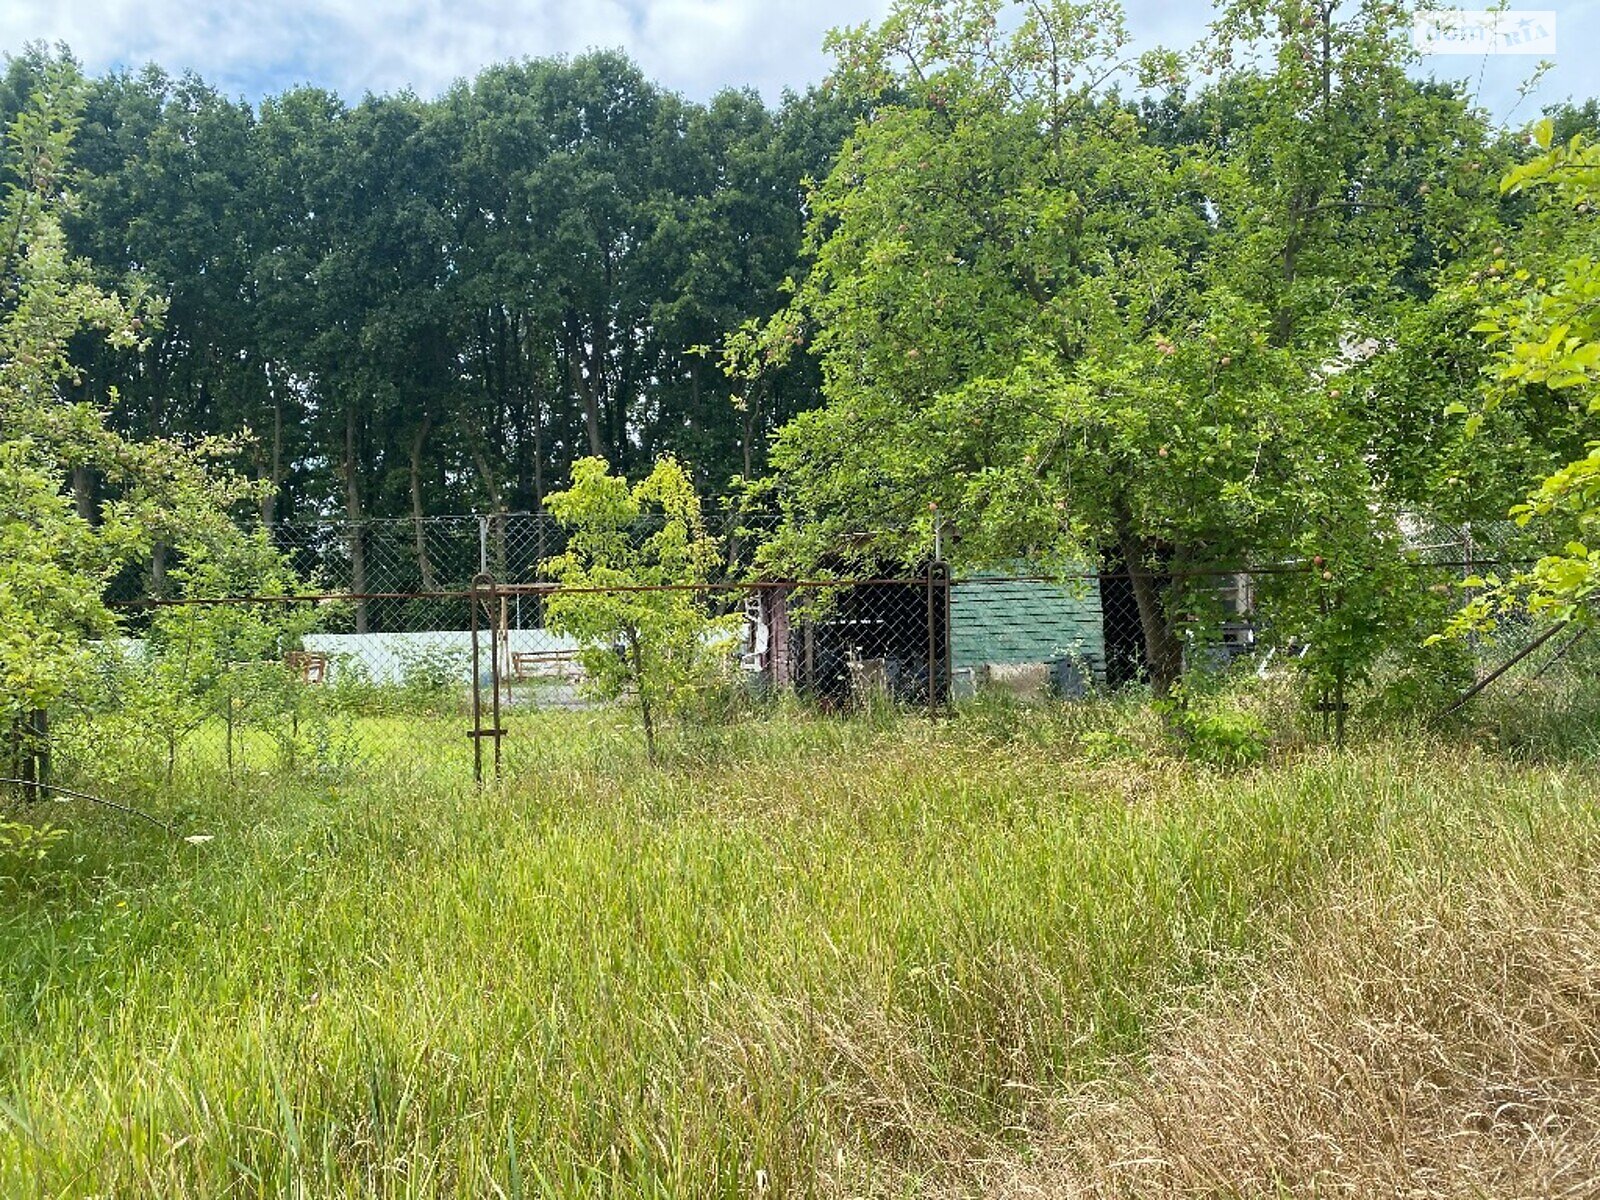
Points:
(309, 666)
(545, 664)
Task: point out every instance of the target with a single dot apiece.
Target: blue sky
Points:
(255, 47)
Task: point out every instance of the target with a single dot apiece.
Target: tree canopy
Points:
(1148, 333)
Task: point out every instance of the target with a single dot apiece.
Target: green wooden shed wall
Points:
(999, 618)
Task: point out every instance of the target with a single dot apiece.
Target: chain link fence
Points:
(431, 643)
(390, 563)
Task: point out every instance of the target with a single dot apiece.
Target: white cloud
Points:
(257, 46)
(253, 47)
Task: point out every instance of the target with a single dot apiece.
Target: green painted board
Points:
(998, 618)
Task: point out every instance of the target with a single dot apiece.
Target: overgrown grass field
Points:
(798, 956)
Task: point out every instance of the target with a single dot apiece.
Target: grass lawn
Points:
(800, 956)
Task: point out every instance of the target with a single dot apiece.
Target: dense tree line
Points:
(420, 307)
(1220, 322)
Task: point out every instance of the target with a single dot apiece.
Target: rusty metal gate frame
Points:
(482, 608)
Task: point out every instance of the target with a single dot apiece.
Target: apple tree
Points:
(1044, 317)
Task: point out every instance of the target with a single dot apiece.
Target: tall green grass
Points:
(800, 956)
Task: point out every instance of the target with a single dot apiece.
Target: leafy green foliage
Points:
(201, 663)
(56, 553)
(636, 558)
(23, 846)
(1223, 737)
(430, 682)
(445, 301)
(1073, 328)
(1545, 330)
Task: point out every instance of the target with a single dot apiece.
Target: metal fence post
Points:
(482, 603)
(948, 677)
(938, 612)
(497, 732)
(476, 733)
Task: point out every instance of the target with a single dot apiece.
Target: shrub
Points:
(1214, 729)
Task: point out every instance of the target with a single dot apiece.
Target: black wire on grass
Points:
(101, 800)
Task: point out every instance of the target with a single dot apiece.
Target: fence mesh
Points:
(399, 565)
(400, 656)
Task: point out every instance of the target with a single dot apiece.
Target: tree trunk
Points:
(158, 570)
(587, 381)
(538, 456)
(30, 753)
(353, 518)
(83, 492)
(269, 461)
(1283, 319)
(614, 393)
(269, 502)
(1163, 651)
(752, 422)
(418, 444)
(644, 695)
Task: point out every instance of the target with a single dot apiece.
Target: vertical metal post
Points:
(503, 630)
(476, 733)
(483, 546)
(484, 595)
(494, 679)
(227, 701)
(938, 613)
(936, 610)
(948, 677)
(1469, 569)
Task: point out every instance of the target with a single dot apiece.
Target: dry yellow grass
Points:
(1425, 1042)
